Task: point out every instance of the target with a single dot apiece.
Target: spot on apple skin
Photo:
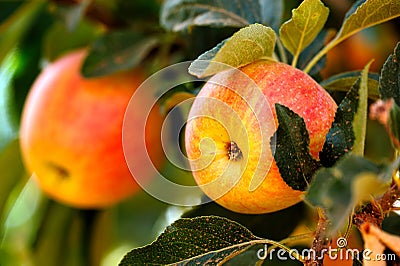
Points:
(60, 171)
(234, 152)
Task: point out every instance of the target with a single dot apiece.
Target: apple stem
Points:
(316, 58)
(295, 59)
(60, 171)
(234, 152)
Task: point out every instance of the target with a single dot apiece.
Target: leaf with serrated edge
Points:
(394, 121)
(203, 240)
(292, 153)
(344, 81)
(245, 46)
(389, 81)
(360, 118)
(306, 22)
(179, 15)
(370, 13)
(340, 138)
(336, 189)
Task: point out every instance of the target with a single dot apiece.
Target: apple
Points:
(229, 129)
(71, 134)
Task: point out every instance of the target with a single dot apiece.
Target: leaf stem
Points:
(295, 59)
(282, 52)
(251, 243)
(297, 237)
(320, 54)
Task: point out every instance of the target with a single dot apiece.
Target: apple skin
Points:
(209, 140)
(71, 134)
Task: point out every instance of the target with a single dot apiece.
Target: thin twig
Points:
(320, 241)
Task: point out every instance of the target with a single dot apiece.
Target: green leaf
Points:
(368, 14)
(389, 80)
(389, 171)
(71, 14)
(116, 51)
(271, 13)
(20, 221)
(245, 46)
(292, 153)
(195, 241)
(12, 170)
(360, 118)
(18, 24)
(58, 39)
(178, 15)
(59, 222)
(344, 81)
(353, 8)
(340, 138)
(275, 226)
(340, 188)
(389, 87)
(8, 125)
(311, 50)
(306, 22)
(394, 121)
(21, 215)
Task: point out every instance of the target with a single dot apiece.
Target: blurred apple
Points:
(71, 134)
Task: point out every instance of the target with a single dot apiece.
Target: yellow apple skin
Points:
(71, 134)
(209, 141)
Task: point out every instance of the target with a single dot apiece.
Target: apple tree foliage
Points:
(342, 185)
(343, 179)
(33, 229)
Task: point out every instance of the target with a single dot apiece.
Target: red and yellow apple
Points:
(230, 126)
(71, 134)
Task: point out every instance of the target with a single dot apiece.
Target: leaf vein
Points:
(223, 11)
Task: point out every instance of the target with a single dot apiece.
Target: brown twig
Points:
(320, 241)
(369, 221)
(374, 212)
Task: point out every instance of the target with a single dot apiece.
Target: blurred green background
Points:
(35, 230)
